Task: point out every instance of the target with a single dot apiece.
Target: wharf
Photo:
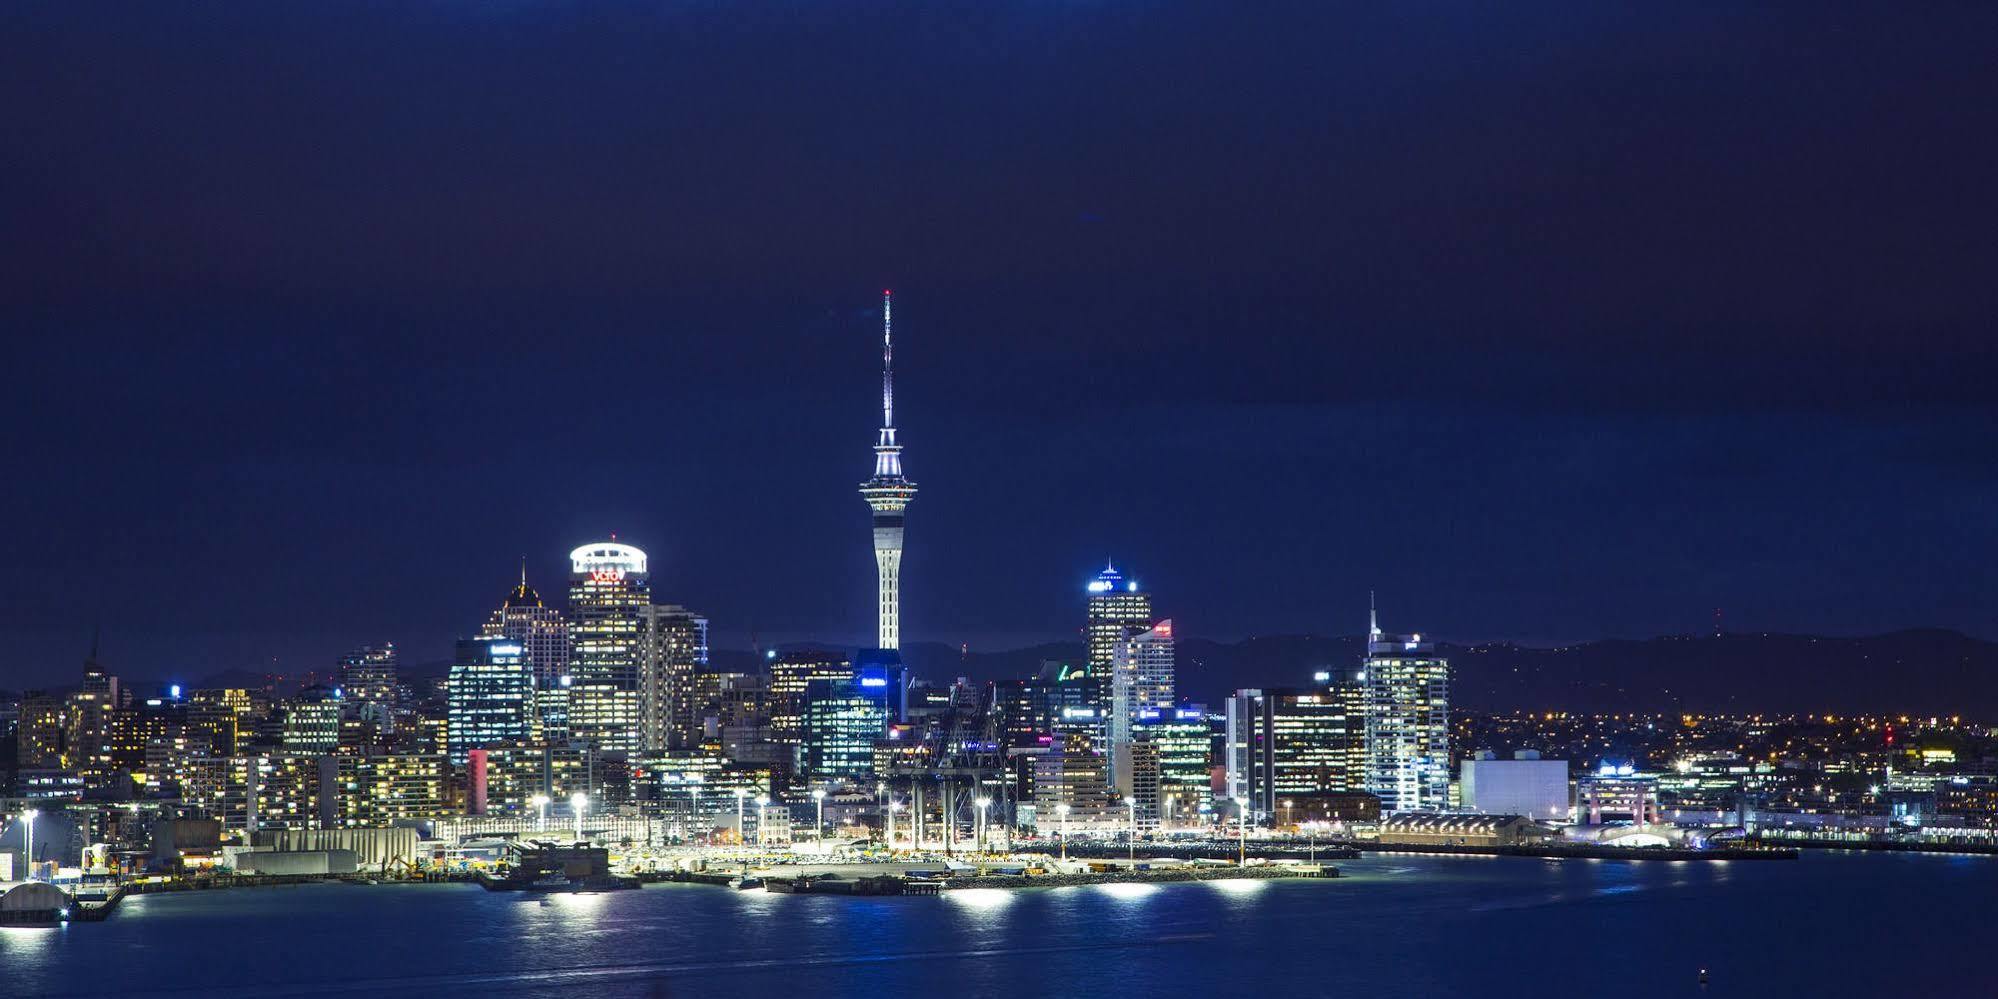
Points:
(1795, 843)
(1229, 850)
(1157, 875)
(1582, 851)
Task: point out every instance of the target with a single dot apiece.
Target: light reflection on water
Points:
(982, 899)
(1127, 891)
(1238, 886)
(698, 940)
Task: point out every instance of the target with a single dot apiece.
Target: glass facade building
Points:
(489, 696)
(1407, 690)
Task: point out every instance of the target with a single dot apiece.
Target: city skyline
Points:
(1623, 357)
(1484, 478)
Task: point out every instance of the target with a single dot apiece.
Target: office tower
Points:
(89, 716)
(1074, 774)
(1117, 610)
(841, 725)
(1407, 690)
(312, 721)
(1075, 700)
(43, 728)
(888, 494)
(609, 590)
(489, 696)
(882, 676)
(368, 683)
(1135, 769)
(1296, 740)
(541, 630)
(1184, 743)
(790, 675)
(1141, 677)
(676, 649)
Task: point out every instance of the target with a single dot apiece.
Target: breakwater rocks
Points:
(1164, 875)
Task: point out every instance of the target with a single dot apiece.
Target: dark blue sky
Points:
(1547, 323)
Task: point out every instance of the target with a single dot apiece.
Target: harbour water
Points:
(1830, 924)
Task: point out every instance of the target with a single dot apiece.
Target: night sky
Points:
(1547, 323)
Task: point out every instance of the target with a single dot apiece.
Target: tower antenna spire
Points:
(1373, 619)
(887, 358)
(523, 572)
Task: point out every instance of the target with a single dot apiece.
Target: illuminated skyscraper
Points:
(541, 630)
(368, 680)
(1407, 690)
(490, 696)
(791, 675)
(1117, 611)
(676, 649)
(888, 494)
(1295, 740)
(609, 589)
(842, 723)
(1141, 677)
(312, 720)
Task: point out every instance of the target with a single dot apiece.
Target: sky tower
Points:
(888, 493)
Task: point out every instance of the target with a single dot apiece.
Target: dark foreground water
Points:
(1827, 925)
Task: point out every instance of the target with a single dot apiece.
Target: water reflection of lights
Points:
(1240, 886)
(1126, 890)
(576, 905)
(980, 898)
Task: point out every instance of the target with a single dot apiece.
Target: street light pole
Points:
(1242, 832)
(1132, 805)
(540, 802)
(1062, 810)
(762, 803)
(982, 803)
(578, 803)
(819, 828)
(740, 838)
(893, 807)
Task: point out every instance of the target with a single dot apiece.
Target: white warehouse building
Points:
(1524, 785)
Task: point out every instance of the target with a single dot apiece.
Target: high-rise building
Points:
(1296, 740)
(43, 729)
(1141, 677)
(368, 683)
(541, 630)
(312, 721)
(1135, 767)
(1408, 722)
(1118, 609)
(89, 717)
(791, 673)
(1184, 743)
(490, 696)
(1072, 773)
(841, 725)
(888, 494)
(375, 791)
(609, 590)
(676, 649)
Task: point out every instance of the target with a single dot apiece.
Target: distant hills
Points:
(1921, 671)
(1924, 671)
